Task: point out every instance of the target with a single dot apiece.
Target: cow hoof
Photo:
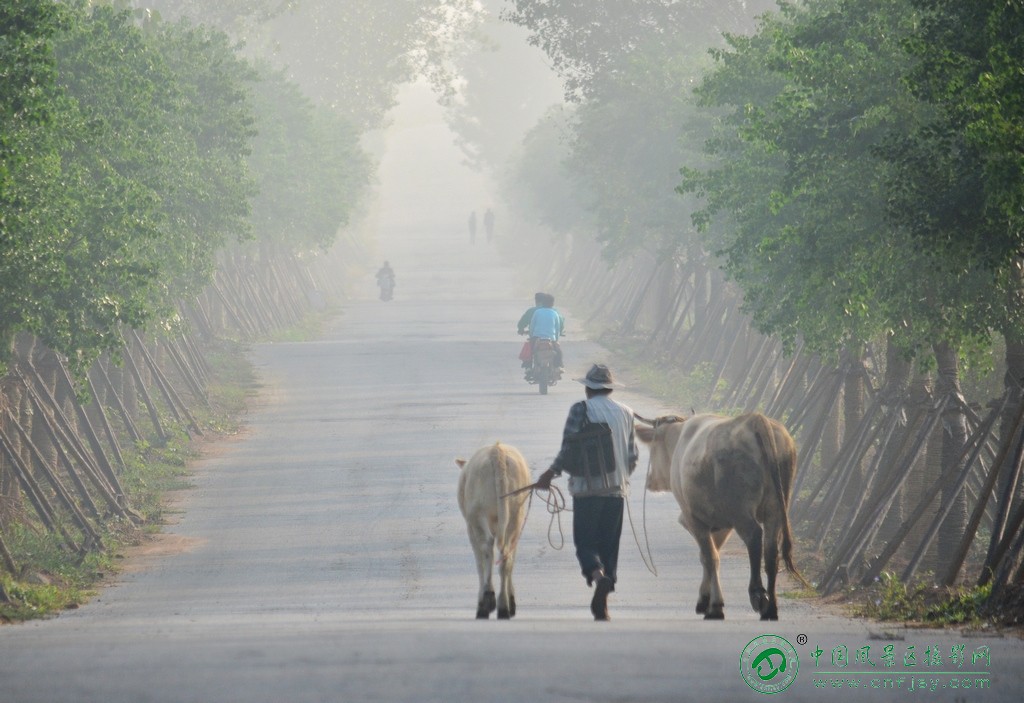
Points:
(489, 603)
(512, 606)
(504, 614)
(770, 612)
(715, 612)
(759, 601)
(702, 605)
(482, 614)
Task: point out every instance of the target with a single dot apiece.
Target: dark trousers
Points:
(596, 530)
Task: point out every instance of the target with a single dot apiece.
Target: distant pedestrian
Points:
(489, 224)
(386, 281)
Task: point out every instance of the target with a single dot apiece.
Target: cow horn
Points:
(659, 421)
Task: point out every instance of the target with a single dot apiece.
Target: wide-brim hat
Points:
(599, 377)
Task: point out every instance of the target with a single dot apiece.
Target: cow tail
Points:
(781, 493)
(506, 542)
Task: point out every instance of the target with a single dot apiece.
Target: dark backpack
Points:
(589, 452)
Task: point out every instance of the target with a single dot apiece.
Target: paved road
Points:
(324, 558)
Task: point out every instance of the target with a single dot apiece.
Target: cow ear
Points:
(460, 462)
(645, 434)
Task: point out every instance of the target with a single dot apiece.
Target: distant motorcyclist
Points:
(548, 323)
(523, 327)
(524, 321)
(386, 281)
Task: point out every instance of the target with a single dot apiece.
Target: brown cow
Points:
(493, 520)
(728, 474)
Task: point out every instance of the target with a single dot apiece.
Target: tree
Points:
(205, 186)
(629, 140)
(502, 87)
(29, 159)
(804, 186)
(84, 274)
(821, 254)
(537, 182)
(349, 55)
(309, 164)
(956, 178)
(958, 175)
(123, 172)
(589, 40)
(240, 18)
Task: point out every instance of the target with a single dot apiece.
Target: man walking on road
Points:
(598, 499)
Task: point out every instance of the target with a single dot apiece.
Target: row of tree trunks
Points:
(62, 444)
(895, 466)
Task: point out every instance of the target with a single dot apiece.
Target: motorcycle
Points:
(542, 368)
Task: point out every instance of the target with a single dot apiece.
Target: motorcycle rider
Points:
(524, 325)
(386, 281)
(524, 321)
(547, 323)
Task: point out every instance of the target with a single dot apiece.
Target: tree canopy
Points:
(310, 167)
(132, 151)
(590, 40)
(831, 251)
(853, 165)
(350, 55)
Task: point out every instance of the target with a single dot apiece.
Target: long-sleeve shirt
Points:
(524, 321)
(619, 418)
(546, 323)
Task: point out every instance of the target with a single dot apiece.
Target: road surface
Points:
(321, 556)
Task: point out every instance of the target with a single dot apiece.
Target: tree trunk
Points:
(894, 396)
(1013, 384)
(10, 495)
(954, 438)
(853, 415)
(926, 469)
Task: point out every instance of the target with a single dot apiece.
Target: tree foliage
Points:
(29, 162)
(805, 184)
(157, 166)
(78, 223)
(350, 55)
(590, 40)
(538, 182)
(858, 163)
(310, 166)
(958, 176)
(630, 67)
(126, 145)
(807, 98)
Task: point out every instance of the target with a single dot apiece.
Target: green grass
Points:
(52, 578)
(891, 600)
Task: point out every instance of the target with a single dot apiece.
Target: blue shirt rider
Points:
(548, 323)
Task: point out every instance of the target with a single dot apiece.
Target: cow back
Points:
(492, 472)
(724, 467)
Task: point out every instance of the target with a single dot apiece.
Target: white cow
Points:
(728, 474)
(494, 521)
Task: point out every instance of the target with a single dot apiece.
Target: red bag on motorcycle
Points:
(526, 353)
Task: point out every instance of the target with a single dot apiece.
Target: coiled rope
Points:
(554, 501)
